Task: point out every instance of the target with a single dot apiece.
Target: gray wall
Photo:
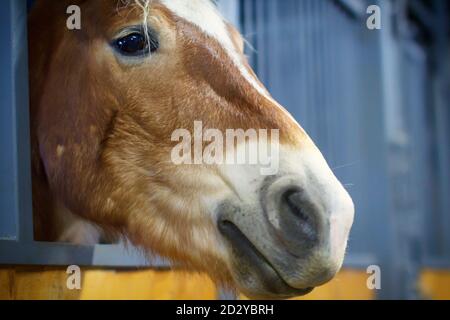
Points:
(366, 99)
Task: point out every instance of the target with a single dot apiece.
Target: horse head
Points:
(107, 102)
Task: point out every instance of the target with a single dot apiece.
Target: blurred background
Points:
(376, 102)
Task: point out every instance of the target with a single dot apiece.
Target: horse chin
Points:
(254, 274)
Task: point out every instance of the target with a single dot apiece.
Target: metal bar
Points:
(57, 254)
(19, 14)
(378, 98)
(15, 185)
(8, 185)
(441, 99)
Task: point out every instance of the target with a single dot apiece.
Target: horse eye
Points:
(135, 44)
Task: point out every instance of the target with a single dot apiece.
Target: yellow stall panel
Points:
(50, 283)
(435, 284)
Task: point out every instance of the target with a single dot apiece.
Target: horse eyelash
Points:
(144, 5)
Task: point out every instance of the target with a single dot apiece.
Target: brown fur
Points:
(101, 129)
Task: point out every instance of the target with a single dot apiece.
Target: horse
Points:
(105, 101)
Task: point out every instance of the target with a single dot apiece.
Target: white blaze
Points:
(205, 15)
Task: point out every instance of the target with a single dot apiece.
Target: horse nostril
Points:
(300, 214)
(294, 201)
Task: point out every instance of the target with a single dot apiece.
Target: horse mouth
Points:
(253, 269)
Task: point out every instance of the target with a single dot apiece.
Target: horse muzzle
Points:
(293, 240)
